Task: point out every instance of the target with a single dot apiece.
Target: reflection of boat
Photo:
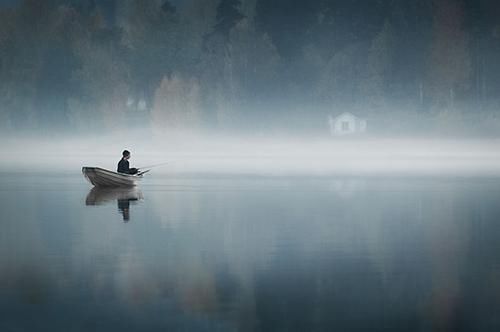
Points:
(101, 177)
(123, 196)
(99, 196)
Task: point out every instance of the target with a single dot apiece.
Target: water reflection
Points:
(123, 196)
(339, 255)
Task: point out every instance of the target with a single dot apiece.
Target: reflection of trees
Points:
(294, 258)
(282, 259)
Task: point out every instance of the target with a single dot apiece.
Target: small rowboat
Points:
(101, 177)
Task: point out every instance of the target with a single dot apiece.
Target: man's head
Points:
(126, 154)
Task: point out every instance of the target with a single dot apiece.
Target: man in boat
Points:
(123, 165)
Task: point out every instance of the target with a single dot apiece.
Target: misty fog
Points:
(258, 156)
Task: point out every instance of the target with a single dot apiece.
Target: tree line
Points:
(233, 64)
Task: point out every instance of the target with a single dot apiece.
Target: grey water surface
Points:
(250, 254)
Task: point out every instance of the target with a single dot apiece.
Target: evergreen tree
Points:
(237, 68)
(168, 7)
(378, 66)
(152, 35)
(228, 15)
(449, 63)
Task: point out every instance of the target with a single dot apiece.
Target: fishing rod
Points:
(148, 168)
(143, 172)
(151, 166)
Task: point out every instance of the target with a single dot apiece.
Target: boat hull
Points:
(101, 177)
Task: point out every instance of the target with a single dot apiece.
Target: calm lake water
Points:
(250, 254)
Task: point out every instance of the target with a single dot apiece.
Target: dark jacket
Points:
(123, 166)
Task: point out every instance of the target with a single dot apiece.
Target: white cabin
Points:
(346, 124)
